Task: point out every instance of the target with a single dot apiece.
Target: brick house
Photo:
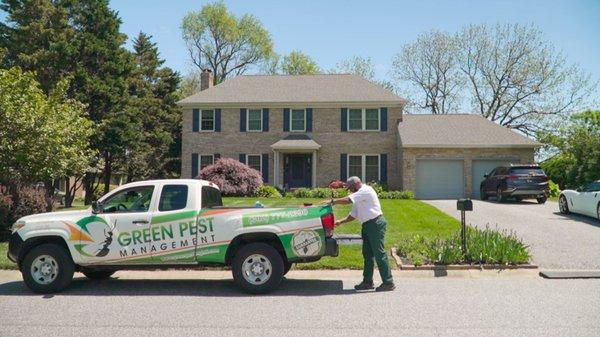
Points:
(305, 131)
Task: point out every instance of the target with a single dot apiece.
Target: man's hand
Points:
(338, 223)
(327, 202)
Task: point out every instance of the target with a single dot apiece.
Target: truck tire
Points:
(257, 268)
(47, 268)
(286, 267)
(98, 274)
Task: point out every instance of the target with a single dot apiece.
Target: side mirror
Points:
(579, 189)
(96, 207)
(486, 175)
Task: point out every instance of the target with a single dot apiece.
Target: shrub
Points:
(485, 246)
(554, 189)
(336, 184)
(320, 193)
(378, 187)
(233, 177)
(396, 195)
(28, 201)
(267, 191)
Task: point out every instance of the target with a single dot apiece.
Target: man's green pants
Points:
(373, 233)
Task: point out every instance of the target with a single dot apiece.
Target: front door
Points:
(297, 170)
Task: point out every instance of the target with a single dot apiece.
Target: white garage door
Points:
(440, 179)
(481, 167)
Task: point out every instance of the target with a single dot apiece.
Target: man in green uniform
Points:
(367, 210)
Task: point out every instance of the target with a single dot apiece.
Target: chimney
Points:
(206, 79)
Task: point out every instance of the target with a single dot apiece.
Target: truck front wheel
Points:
(47, 268)
(257, 268)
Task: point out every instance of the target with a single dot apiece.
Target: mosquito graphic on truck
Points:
(174, 224)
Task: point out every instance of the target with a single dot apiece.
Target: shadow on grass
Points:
(200, 288)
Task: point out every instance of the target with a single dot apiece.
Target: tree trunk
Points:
(107, 172)
(69, 195)
(88, 186)
(49, 195)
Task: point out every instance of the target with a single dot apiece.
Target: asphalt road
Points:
(557, 241)
(309, 303)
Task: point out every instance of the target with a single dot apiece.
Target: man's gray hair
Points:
(353, 181)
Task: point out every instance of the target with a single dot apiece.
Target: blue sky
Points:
(330, 31)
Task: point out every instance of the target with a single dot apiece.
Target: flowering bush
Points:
(28, 201)
(232, 177)
(337, 184)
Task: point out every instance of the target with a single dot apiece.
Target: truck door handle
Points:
(140, 222)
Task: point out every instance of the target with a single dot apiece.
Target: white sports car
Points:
(585, 200)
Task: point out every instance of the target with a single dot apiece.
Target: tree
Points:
(42, 137)
(575, 150)
(361, 66)
(298, 63)
(153, 96)
(223, 43)
(430, 66)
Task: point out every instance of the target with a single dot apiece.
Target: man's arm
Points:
(340, 201)
(344, 220)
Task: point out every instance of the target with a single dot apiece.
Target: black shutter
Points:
(286, 120)
(242, 120)
(195, 120)
(243, 158)
(383, 168)
(194, 165)
(383, 117)
(343, 167)
(265, 113)
(217, 120)
(344, 119)
(309, 119)
(216, 157)
(265, 167)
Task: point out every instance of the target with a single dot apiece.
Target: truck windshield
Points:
(211, 197)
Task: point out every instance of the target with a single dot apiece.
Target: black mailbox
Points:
(464, 205)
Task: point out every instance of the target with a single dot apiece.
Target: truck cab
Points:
(173, 223)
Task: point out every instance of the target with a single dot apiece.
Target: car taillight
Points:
(512, 177)
(545, 178)
(328, 222)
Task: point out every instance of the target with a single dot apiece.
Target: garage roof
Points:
(322, 88)
(458, 130)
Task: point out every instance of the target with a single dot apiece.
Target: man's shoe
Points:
(386, 286)
(364, 286)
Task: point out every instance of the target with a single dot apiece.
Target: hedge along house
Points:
(307, 130)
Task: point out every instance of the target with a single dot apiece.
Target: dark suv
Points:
(517, 181)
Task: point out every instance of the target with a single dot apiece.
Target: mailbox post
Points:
(463, 205)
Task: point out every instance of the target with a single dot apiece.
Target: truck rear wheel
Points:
(286, 267)
(257, 268)
(47, 268)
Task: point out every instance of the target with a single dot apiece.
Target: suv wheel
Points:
(47, 268)
(483, 194)
(98, 274)
(563, 206)
(499, 197)
(286, 267)
(257, 268)
(542, 200)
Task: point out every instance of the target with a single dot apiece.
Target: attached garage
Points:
(480, 167)
(440, 179)
(445, 156)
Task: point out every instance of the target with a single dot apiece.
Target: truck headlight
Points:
(16, 226)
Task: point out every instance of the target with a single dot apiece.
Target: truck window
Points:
(173, 197)
(135, 199)
(211, 197)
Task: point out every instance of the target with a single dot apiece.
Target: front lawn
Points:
(5, 263)
(405, 217)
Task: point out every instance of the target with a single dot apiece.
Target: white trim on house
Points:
(259, 161)
(213, 120)
(248, 120)
(291, 119)
(363, 164)
(299, 105)
(200, 160)
(364, 120)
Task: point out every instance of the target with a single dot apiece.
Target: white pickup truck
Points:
(169, 224)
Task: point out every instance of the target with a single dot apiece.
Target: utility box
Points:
(464, 205)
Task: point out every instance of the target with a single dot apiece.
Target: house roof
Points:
(296, 142)
(458, 130)
(322, 88)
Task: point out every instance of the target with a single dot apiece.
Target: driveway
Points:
(557, 241)
(308, 303)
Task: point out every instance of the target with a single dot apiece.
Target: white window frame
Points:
(213, 119)
(291, 120)
(200, 160)
(363, 126)
(259, 160)
(248, 120)
(363, 165)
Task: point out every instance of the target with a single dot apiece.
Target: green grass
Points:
(405, 218)
(5, 263)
